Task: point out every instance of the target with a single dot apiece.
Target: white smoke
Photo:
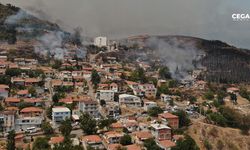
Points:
(14, 19)
(50, 44)
(177, 55)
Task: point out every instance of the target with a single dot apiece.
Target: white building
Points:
(106, 95)
(7, 118)
(149, 104)
(101, 41)
(166, 98)
(129, 100)
(88, 106)
(60, 113)
(24, 123)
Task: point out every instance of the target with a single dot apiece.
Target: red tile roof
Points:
(167, 143)
(4, 86)
(114, 146)
(168, 116)
(32, 100)
(143, 135)
(56, 140)
(31, 109)
(116, 125)
(22, 92)
(133, 147)
(32, 80)
(12, 100)
(92, 139)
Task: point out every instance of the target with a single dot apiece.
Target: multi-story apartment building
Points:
(129, 100)
(106, 95)
(60, 113)
(161, 132)
(7, 120)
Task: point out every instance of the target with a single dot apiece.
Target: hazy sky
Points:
(210, 19)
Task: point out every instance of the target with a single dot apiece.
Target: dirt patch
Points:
(218, 137)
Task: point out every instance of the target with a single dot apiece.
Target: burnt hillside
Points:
(224, 63)
(16, 23)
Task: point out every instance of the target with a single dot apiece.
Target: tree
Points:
(187, 144)
(11, 140)
(150, 144)
(172, 83)
(106, 123)
(126, 140)
(49, 112)
(244, 93)
(192, 99)
(95, 78)
(65, 128)
(138, 75)
(183, 118)
(57, 64)
(102, 102)
(32, 91)
(5, 79)
(163, 89)
(88, 124)
(47, 128)
(57, 96)
(209, 95)
(164, 73)
(208, 145)
(217, 118)
(154, 111)
(1, 107)
(41, 143)
(233, 97)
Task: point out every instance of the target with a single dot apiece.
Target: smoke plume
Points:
(178, 56)
(209, 19)
(50, 44)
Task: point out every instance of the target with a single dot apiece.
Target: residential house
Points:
(114, 87)
(161, 132)
(149, 90)
(12, 101)
(149, 104)
(106, 95)
(60, 113)
(86, 104)
(29, 117)
(233, 90)
(34, 101)
(131, 125)
(65, 75)
(112, 137)
(130, 100)
(166, 144)
(23, 94)
(48, 71)
(32, 81)
(140, 136)
(7, 120)
(17, 81)
(93, 141)
(4, 91)
(169, 119)
(117, 126)
(133, 147)
(165, 98)
(55, 140)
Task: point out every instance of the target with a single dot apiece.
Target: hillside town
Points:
(64, 90)
(105, 104)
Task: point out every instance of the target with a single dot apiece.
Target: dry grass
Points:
(220, 138)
